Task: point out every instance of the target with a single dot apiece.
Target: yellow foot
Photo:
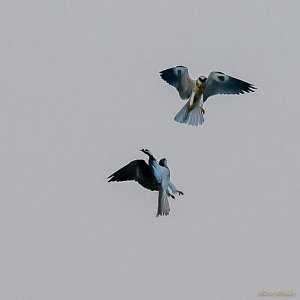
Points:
(202, 110)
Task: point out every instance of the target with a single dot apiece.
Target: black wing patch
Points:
(139, 171)
(171, 76)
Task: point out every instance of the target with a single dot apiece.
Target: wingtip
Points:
(251, 89)
(163, 71)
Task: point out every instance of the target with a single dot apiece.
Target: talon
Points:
(202, 110)
(180, 193)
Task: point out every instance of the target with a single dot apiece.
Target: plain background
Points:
(81, 94)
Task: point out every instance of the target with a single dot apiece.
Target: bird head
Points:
(201, 80)
(163, 162)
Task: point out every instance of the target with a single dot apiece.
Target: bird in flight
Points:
(197, 91)
(154, 176)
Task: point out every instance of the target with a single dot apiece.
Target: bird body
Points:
(197, 91)
(154, 176)
(162, 176)
(158, 170)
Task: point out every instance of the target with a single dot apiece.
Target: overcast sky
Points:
(81, 94)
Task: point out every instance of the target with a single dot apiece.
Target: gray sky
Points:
(81, 94)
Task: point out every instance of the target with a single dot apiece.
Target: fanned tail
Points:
(163, 208)
(190, 117)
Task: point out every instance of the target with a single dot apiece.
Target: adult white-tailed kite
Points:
(153, 176)
(197, 91)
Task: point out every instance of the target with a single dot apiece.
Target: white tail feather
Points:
(163, 208)
(190, 117)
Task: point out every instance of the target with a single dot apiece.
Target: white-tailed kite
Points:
(197, 91)
(153, 176)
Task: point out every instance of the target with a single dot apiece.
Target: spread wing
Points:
(180, 79)
(220, 83)
(139, 171)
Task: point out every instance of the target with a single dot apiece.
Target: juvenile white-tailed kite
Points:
(197, 91)
(153, 176)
